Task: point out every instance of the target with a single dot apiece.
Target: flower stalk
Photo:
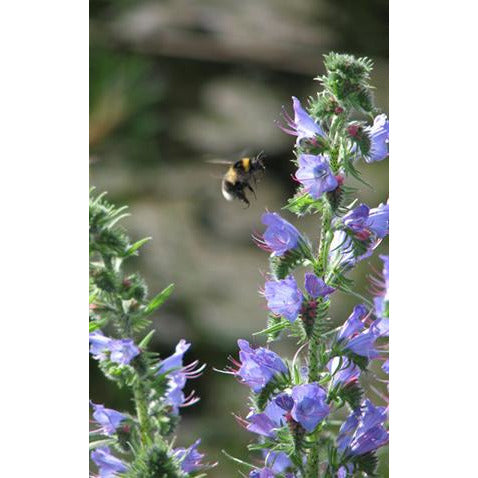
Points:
(295, 404)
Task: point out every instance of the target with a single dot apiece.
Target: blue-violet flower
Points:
(284, 297)
(315, 175)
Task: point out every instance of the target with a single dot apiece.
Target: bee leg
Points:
(242, 196)
(252, 190)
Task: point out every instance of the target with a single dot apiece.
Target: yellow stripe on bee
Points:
(246, 163)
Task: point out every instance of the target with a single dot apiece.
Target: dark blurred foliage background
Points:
(172, 84)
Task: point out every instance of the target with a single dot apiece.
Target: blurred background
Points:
(173, 84)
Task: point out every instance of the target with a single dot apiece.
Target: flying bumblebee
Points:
(239, 176)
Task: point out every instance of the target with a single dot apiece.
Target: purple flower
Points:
(123, 351)
(363, 221)
(363, 431)
(108, 418)
(345, 471)
(356, 339)
(108, 465)
(178, 375)
(309, 405)
(378, 220)
(280, 236)
(363, 344)
(99, 344)
(284, 401)
(343, 370)
(278, 462)
(174, 362)
(258, 366)
(315, 175)
(344, 253)
(316, 287)
(380, 327)
(190, 458)
(378, 138)
(284, 297)
(354, 323)
(267, 422)
(302, 126)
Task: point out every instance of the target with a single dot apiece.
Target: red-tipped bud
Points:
(340, 179)
(353, 130)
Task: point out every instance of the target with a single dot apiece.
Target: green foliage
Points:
(154, 462)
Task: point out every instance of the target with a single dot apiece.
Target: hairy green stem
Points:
(141, 411)
(315, 338)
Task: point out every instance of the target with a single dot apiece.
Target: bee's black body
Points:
(238, 177)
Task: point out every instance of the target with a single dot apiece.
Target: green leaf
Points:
(144, 343)
(94, 326)
(105, 442)
(159, 299)
(284, 323)
(133, 248)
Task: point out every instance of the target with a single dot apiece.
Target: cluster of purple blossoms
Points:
(177, 377)
(108, 465)
(284, 298)
(305, 404)
(257, 367)
(363, 431)
(121, 351)
(368, 226)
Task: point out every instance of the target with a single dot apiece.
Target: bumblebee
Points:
(239, 176)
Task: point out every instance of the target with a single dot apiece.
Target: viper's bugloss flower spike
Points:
(258, 366)
(363, 431)
(284, 297)
(302, 126)
(316, 287)
(108, 465)
(310, 406)
(107, 418)
(379, 138)
(280, 236)
(291, 404)
(315, 175)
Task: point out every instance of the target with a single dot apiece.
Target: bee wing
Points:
(219, 161)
